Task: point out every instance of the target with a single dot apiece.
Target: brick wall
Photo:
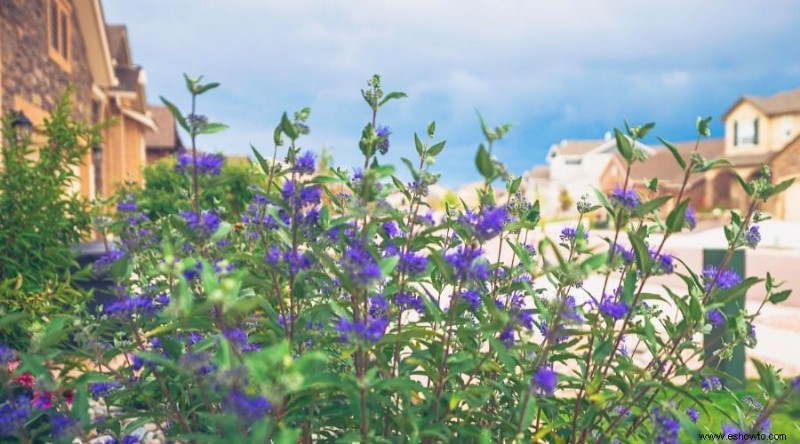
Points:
(28, 71)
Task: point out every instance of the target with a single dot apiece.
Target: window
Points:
(745, 132)
(58, 32)
(786, 126)
(573, 161)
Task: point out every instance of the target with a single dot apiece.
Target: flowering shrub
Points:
(323, 313)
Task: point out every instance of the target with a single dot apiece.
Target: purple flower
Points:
(128, 205)
(133, 304)
(693, 414)
(544, 380)
(412, 263)
(726, 280)
(568, 234)
(206, 163)
(666, 427)
(715, 317)
(304, 164)
(407, 301)
(488, 223)
(104, 262)
(7, 354)
(206, 224)
(390, 229)
(248, 408)
(608, 307)
(507, 337)
(63, 426)
(383, 133)
(690, 219)
(752, 332)
(130, 439)
(730, 429)
(628, 256)
(13, 415)
(710, 383)
(795, 383)
(663, 263)
(752, 236)
(98, 389)
(625, 198)
(465, 265)
(298, 261)
(471, 297)
(136, 363)
(359, 265)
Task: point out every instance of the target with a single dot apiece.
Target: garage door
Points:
(792, 202)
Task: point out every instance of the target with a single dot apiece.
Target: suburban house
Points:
(164, 141)
(757, 130)
(48, 45)
(574, 168)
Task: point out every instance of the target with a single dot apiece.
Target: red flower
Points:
(25, 380)
(42, 400)
(69, 395)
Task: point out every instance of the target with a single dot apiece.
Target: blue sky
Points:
(556, 70)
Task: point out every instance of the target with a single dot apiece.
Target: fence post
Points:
(734, 366)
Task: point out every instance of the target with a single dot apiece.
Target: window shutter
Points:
(735, 133)
(755, 132)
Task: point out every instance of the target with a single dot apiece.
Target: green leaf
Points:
(747, 187)
(487, 133)
(176, 113)
(212, 128)
(650, 205)
(436, 149)
(288, 127)
(261, 161)
(640, 251)
(677, 217)
(392, 96)
(514, 186)
(431, 129)
(418, 145)
(779, 297)
(675, 152)
(207, 87)
(595, 261)
(388, 264)
(484, 163)
(702, 126)
(624, 146)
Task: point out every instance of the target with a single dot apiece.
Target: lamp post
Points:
(22, 124)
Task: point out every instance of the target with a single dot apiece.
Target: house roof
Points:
(118, 44)
(662, 165)
(539, 172)
(128, 76)
(577, 147)
(91, 22)
(781, 103)
(166, 136)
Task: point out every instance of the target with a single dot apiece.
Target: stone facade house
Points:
(757, 130)
(49, 45)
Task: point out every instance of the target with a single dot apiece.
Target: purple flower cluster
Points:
(662, 263)
(206, 163)
(127, 205)
(304, 164)
(726, 280)
(359, 265)
(301, 196)
(13, 415)
(206, 224)
(63, 426)
(625, 198)
(568, 234)
(752, 236)
(544, 381)
(383, 133)
(627, 256)
(371, 330)
(248, 408)
(466, 265)
(98, 389)
(693, 414)
(666, 427)
(390, 229)
(104, 262)
(690, 219)
(487, 223)
(412, 263)
(7, 354)
(710, 383)
(407, 301)
(238, 339)
(137, 304)
(715, 316)
(471, 297)
(608, 306)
